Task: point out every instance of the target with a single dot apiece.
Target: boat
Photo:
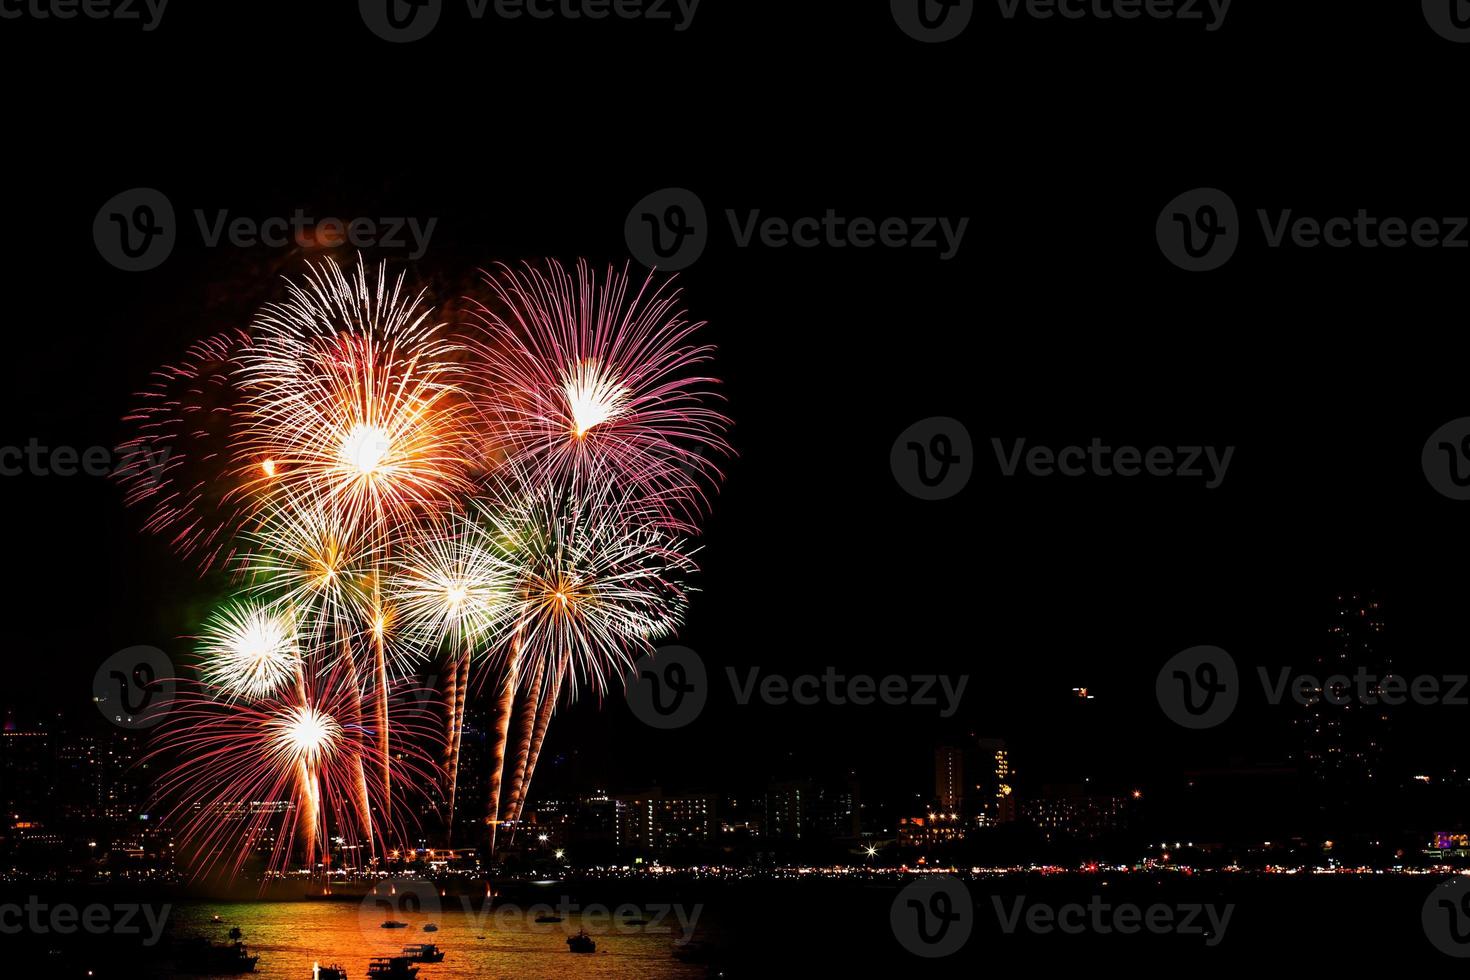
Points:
(581, 943)
(545, 917)
(425, 953)
(333, 972)
(394, 924)
(430, 927)
(216, 919)
(236, 934)
(203, 956)
(391, 968)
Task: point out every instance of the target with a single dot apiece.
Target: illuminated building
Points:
(652, 823)
(992, 796)
(1342, 743)
(1070, 811)
(949, 777)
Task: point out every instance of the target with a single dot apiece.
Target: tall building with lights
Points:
(992, 795)
(1343, 735)
(949, 777)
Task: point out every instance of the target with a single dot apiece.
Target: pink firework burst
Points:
(178, 462)
(598, 383)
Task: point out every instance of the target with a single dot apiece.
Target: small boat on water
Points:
(430, 927)
(203, 956)
(425, 953)
(581, 943)
(333, 972)
(391, 968)
(394, 924)
(216, 919)
(545, 917)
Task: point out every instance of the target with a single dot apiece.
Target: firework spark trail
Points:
(452, 588)
(391, 494)
(523, 746)
(178, 463)
(589, 383)
(546, 707)
(357, 403)
(500, 736)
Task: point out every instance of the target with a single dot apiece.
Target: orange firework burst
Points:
(354, 401)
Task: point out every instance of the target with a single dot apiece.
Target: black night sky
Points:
(1057, 321)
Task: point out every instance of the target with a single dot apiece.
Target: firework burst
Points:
(354, 401)
(388, 492)
(250, 650)
(598, 383)
(179, 461)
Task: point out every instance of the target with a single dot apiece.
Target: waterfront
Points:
(477, 941)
